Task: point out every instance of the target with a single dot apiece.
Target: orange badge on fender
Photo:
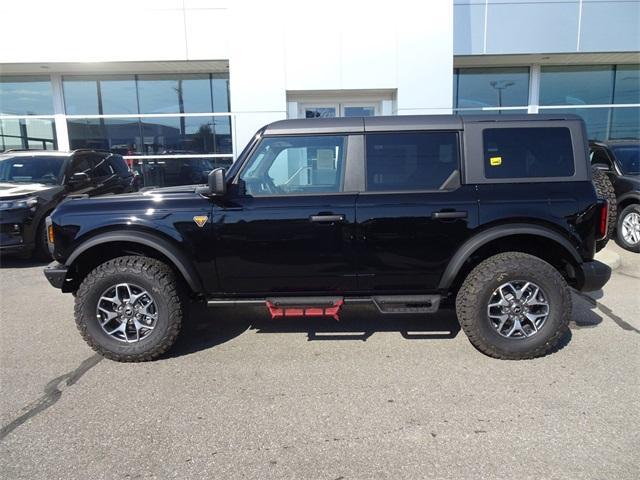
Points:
(200, 220)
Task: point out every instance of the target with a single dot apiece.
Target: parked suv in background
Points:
(32, 184)
(620, 161)
(496, 215)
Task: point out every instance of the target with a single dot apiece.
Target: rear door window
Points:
(528, 152)
(410, 161)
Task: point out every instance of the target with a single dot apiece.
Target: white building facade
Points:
(173, 79)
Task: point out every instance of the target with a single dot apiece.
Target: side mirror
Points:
(217, 184)
(78, 179)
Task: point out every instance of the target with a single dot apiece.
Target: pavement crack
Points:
(619, 321)
(52, 393)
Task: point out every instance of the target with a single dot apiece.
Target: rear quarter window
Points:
(528, 152)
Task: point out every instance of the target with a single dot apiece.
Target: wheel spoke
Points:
(127, 312)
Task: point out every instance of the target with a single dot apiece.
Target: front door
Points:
(288, 228)
(414, 214)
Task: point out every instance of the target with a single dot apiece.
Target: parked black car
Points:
(497, 215)
(33, 183)
(620, 161)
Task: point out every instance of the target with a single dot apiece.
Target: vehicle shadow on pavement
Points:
(17, 262)
(204, 327)
(584, 314)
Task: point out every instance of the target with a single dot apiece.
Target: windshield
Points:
(36, 169)
(629, 158)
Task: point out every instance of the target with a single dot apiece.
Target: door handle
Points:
(445, 215)
(326, 218)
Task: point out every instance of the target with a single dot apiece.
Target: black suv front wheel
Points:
(628, 228)
(514, 306)
(129, 309)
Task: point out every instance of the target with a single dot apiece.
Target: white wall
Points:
(113, 30)
(272, 46)
(281, 46)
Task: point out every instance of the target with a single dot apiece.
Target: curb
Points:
(612, 259)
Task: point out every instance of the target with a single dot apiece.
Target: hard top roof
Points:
(398, 122)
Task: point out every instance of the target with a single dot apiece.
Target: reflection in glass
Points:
(359, 111)
(26, 96)
(152, 136)
(491, 87)
(606, 123)
(627, 84)
(80, 96)
(320, 112)
(118, 94)
(168, 172)
(576, 85)
(175, 93)
(28, 133)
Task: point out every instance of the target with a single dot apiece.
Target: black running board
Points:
(330, 305)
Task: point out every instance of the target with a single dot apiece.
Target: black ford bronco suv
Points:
(495, 215)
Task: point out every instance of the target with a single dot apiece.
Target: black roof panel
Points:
(398, 122)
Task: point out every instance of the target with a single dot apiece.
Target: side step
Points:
(407, 303)
(330, 306)
(305, 306)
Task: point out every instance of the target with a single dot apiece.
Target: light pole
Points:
(500, 85)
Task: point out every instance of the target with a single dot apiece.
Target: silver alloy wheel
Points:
(631, 228)
(518, 309)
(127, 312)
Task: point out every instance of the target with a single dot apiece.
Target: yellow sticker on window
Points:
(495, 161)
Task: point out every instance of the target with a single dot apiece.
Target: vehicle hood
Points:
(18, 190)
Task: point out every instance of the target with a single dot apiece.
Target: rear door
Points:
(287, 225)
(414, 213)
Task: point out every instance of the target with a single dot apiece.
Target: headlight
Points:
(16, 204)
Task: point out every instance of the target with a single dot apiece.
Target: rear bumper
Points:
(56, 273)
(593, 276)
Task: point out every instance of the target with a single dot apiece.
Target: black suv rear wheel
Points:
(129, 309)
(628, 228)
(514, 306)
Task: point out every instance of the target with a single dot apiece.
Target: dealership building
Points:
(163, 80)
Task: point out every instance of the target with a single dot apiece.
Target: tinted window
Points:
(23, 169)
(579, 85)
(102, 168)
(290, 165)
(410, 161)
(527, 152)
(629, 158)
(119, 165)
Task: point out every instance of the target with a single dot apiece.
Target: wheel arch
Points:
(628, 199)
(104, 246)
(497, 239)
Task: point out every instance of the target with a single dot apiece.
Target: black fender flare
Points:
(474, 243)
(633, 196)
(166, 248)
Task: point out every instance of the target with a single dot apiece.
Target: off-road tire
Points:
(476, 290)
(41, 250)
(619, 237)
(150, 274)
(604, 189)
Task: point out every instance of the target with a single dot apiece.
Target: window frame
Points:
(345, 185)
(474, 151)
(460, 161)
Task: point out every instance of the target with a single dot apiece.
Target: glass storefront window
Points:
(80, 96)
(118, 94)
(28, 133)
(606, 123)
(153, 136)
(26, 96)
(627, 84)
(491, 87)
(576, 85)
(146, 94)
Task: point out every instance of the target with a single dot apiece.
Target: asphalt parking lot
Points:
(369, 397)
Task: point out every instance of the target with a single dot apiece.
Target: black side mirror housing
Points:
(78, 179)
(216, 181)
